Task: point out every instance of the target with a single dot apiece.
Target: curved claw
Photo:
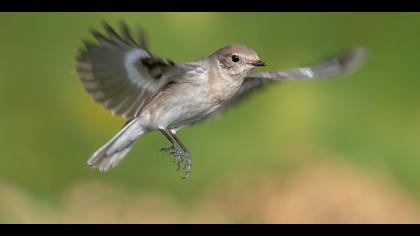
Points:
(188, 163)
(177, 155)
(174, 150)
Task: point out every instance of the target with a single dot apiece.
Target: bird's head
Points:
(237, 59)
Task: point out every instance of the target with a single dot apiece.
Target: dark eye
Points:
(235, 58)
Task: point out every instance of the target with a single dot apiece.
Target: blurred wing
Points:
(347, 62)
(121, 74)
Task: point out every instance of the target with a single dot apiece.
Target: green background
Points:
(49, 125)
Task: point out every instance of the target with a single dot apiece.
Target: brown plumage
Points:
(155, 93)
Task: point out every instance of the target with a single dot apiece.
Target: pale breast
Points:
(185, 102)
(179, 102)
(222, 87)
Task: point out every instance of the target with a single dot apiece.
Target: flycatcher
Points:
(153, 93)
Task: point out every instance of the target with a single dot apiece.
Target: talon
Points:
(188, 162)
(187, 173)
(179, 160)
(176, 153)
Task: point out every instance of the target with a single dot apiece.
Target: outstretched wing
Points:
(121, 74)
(344, 63)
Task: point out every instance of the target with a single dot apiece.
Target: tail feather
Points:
(111, 153)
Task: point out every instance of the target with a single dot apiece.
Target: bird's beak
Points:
(257, 63)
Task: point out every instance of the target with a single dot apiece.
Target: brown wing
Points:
(121, 74)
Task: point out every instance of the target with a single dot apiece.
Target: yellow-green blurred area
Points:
(343, 150)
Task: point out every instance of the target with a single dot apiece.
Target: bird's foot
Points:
(177, 155)
(187, 165)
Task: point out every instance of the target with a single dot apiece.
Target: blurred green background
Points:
(368, 121)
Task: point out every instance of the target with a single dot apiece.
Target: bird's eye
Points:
(235, 58)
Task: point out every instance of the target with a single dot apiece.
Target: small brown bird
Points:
(153, 93)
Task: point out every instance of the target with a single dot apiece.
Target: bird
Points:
(153, 93)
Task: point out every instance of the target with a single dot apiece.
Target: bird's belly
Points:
(191, 117)
(183, 114)
(178, 111)
(191, 110)
(175, 109)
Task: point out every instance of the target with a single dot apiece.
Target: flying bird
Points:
(158, 94)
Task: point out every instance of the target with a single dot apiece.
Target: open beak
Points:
(257, 63)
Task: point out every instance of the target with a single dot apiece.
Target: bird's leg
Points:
(174, 150)
(188, 160)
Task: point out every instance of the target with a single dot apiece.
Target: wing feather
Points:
(346, 62)
(121, 74)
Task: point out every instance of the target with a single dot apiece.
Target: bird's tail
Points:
(111, 153)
